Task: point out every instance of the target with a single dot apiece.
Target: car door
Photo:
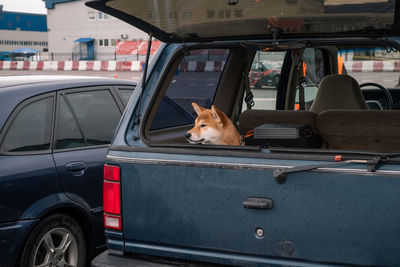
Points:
(86, 122)
(27, 172)
(231, 209)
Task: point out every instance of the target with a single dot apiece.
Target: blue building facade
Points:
(22, 30)
(50, 3)
(22, 21)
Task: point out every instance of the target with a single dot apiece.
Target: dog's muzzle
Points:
(188, 138)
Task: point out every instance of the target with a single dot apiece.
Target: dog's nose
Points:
(188, 135)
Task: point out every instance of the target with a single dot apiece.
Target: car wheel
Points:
(258, 84)
(57, 240)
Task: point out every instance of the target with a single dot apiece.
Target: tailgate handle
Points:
(260, 203)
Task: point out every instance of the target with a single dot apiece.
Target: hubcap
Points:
(57, 248)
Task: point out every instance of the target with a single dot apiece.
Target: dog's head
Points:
(208, 127)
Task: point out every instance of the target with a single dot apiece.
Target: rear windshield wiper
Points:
(280, 175)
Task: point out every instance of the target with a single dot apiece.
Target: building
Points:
(77, 32)
(19, 30)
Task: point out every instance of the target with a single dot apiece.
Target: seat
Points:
(368, 130)
(252, 118)
(338, 92)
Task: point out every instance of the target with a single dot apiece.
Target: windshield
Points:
(210, 18)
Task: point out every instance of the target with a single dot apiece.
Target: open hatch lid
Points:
(173, 21)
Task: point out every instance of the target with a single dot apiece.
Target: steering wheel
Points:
(385, 90)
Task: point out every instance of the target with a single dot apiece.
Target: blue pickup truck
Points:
(315, 180)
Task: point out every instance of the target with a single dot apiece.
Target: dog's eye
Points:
(203, 125)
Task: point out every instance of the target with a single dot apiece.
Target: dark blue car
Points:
(55, 132)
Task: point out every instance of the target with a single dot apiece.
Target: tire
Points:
(258, 84)
(57, 240)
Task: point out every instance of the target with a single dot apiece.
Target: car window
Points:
(195, 80)
(314, 70)
(125, 94)
(264, 78)
(31, 128)
(372, 68)
(86, 119)
(176, 115)
(69, 134)
(371, 64)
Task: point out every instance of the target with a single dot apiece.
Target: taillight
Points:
(111, 173)
(112, 197)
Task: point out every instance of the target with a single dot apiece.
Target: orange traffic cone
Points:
(115, 75)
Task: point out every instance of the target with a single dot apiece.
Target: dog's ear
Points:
(198, 109)
(216, 114)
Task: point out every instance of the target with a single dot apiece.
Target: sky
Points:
(27, 6)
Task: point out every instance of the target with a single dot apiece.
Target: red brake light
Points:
(112, 197)
(111, 173)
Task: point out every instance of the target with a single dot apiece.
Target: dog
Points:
(212, 126)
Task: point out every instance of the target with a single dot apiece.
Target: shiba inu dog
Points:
(212, 126)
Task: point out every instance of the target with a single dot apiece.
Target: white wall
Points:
(6, 35)
(70, 21)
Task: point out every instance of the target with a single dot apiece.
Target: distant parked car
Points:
(5, 56)
(54, 136)
(265, 73)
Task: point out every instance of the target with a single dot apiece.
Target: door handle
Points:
(76, 168)
(260, 203)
